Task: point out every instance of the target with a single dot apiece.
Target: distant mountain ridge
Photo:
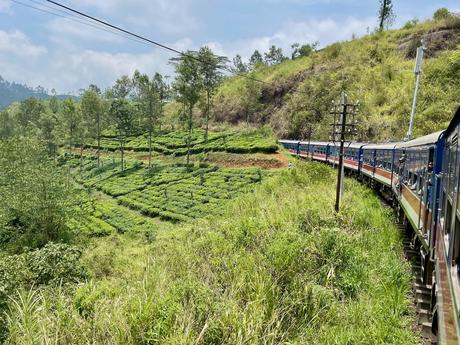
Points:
(14, 92)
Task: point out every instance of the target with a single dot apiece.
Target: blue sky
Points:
(41, 49)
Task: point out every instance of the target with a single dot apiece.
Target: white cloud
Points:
(63, 29)
(5, 6)
(325, 31)
(167, 16)
(68, 67)
(16, 43)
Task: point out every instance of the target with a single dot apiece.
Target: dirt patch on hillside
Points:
(263, 161)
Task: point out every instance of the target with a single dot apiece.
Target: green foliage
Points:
(36, 201)
(285, 269)
(441, 14)
(54, 264)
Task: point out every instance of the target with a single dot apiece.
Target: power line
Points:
(118, 28)
(75, 19)
(86, 19)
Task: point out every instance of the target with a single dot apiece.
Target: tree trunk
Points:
(98, 140)
(383, 10)
(81, 157)
(122, 154)
(189, 140)
(150, 147)
(207, 118)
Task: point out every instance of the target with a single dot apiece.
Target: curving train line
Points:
(421, 179)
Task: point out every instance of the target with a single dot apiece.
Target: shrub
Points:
(441, 14)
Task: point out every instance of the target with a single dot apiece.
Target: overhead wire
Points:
(158, 44)
(86, 19)
(76, 19)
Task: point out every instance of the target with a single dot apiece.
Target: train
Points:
(420, 179)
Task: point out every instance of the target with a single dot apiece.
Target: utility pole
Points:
(342, 130)
(308, 130)
(418, 72)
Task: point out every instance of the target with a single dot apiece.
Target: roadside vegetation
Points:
(286, 269)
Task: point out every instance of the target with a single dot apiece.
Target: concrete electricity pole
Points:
(418, 72)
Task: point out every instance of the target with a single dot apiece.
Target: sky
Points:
(39, 48)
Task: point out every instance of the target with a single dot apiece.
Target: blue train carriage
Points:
(447, 235)
(413, 178)
(319, 150)
(378, 161)
(293, 146)
(352, 154)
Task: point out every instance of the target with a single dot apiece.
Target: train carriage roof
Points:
(355, 145)
(288, 141)
(384, 146)
(454, 123)
(320, 143)
(421, 141)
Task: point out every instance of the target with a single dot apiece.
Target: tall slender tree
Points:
(150, 95)
(70, 120)
(256, 60)
(121, 111)
(386, 14)
(238, 65)
(211, 71)
(188, 85)
(91, 108)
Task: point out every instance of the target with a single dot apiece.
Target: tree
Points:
(274, 56)
(54, 104)
(386, 14)
(188, 85)
(250, 97)
(441, 13)
(210, 69)
(29, 114)
(239, 66)
(91, 109)
(36, 201)
(150, 95)
(47, 130)
(121, 111)
(7, 125)
(304, 50)
(256, 60)
(122, 88)
(70, 120)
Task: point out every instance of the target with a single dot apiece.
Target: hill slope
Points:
(377, 70)
(13, 92)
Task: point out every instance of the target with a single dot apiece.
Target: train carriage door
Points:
(455, 225)
(451, 211)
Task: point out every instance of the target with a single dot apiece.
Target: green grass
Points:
(278, 267)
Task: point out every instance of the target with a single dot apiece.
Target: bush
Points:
(441, 14)
(411, 23)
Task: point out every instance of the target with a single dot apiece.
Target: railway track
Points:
(422, 293)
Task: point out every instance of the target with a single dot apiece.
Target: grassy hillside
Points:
(376, 70)
(285, 270)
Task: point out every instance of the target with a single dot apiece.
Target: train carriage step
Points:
(424, 315)
(426, 332)
(423, 304)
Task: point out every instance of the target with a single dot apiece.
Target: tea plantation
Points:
(174, 143)
(172, 192)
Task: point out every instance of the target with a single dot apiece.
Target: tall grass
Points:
(279, 267)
